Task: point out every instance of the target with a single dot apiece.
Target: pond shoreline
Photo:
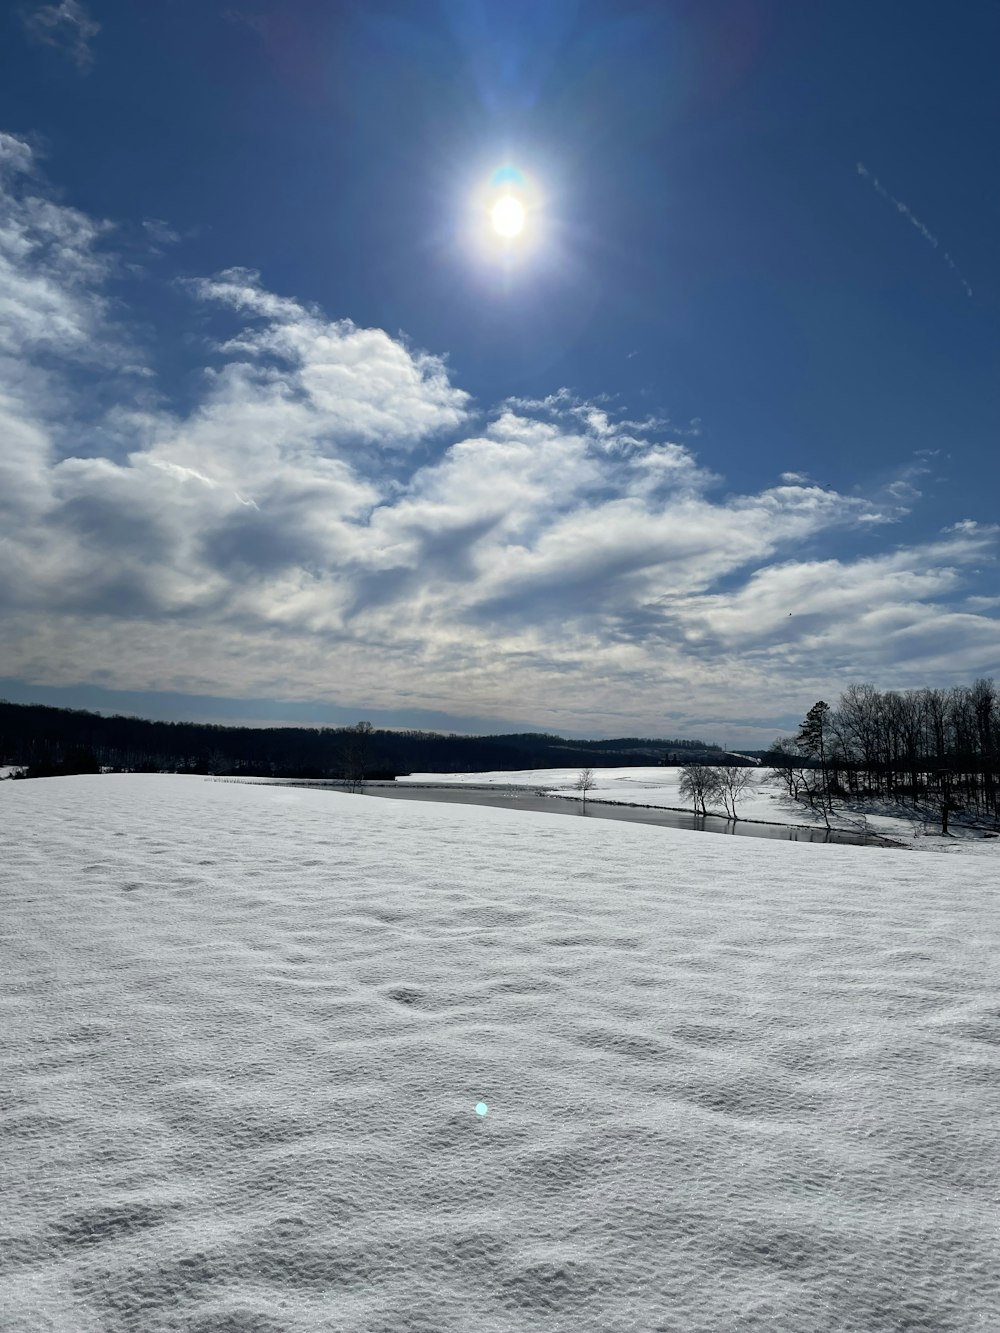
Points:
(543, 801)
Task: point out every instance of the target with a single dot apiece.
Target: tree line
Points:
(937, 748)
(48, 741)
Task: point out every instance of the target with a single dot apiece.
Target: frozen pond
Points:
(517, 798)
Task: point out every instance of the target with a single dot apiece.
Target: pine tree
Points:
(811, 740)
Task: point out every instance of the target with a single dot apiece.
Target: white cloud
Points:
(15, 154)
(50, 266)
(286, 536)
(160, 234)
(354, 384)
(66, 26)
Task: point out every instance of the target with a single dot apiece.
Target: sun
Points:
(507, 216)
(504, 224)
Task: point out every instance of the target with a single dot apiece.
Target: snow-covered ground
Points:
(728, 1084)
(767, 802)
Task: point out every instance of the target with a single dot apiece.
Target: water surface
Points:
(521, 798)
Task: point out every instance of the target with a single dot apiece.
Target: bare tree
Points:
(986, 714)
(783, 761)
(216, 762)
(357, 754)
(941, 748)
(699, 782)
(858, 727)
(733, 784)
(585, 782)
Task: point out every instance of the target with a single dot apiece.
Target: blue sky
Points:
(289, 433)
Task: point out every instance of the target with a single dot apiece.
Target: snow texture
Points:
(731, 1084)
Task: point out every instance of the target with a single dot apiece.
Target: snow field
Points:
(732, 1085)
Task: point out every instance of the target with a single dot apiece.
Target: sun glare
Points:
(508, 215)
(505, 220)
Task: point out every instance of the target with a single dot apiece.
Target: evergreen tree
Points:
(812, 739)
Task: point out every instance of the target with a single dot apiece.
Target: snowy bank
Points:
(766, 802)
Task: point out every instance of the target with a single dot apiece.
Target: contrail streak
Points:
(925, 232)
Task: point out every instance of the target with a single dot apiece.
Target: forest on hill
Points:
(49, 741)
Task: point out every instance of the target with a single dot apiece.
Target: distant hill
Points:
(60, 740)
